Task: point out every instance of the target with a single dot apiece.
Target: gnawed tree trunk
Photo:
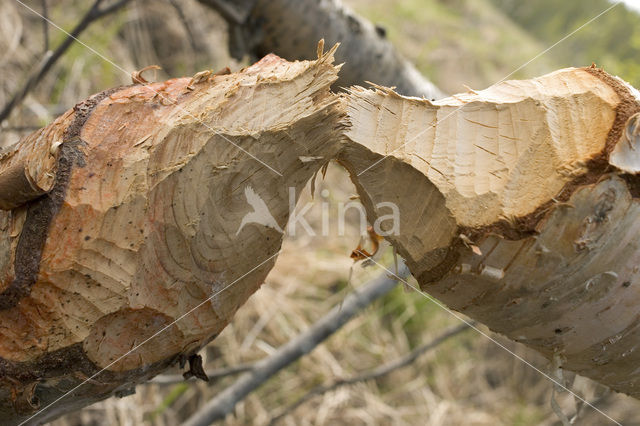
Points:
(145, 189)
(517, 207)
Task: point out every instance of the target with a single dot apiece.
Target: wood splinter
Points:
(137, 78)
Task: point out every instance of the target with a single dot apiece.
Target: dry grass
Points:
(468, 380)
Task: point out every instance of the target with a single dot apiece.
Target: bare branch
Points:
(109, 9)
(304, 343)
(93, 14)
(376, 372)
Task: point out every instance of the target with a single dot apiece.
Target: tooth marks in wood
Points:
(42, 211)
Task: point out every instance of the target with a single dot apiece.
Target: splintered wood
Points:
(126, 218)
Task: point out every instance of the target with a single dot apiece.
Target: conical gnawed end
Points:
(518, 206)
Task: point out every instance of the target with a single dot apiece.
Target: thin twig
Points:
(45, 25)
(376, 372)
(109, 9)
(224, 402)
(172, 379)
(51, 58)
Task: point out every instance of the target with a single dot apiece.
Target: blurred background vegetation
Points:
(468, 380)
(612, 41)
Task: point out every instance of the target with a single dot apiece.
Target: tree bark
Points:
(292, 28)
(125, 217)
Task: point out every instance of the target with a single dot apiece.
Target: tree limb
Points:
(292, 28)
(304, 343)
(376, 372)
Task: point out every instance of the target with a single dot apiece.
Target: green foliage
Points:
(176, 392)
(456, 42)
(612, 40)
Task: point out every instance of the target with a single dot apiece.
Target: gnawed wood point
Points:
(146, 228)
(518, 207)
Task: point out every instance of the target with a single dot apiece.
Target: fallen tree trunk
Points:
(292, 28)
(126, 246)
